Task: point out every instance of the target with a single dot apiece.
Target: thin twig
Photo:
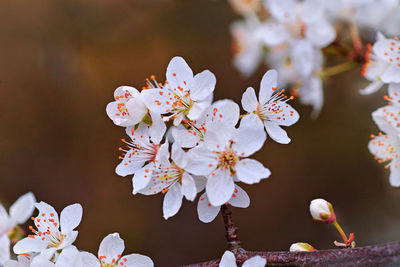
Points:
(230, 230)
(377, 255)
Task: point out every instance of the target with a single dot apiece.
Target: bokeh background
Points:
(60, 62)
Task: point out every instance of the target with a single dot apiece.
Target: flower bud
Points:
(322, 210)
(296, 247)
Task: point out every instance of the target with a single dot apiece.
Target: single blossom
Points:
(229, 260)
(110, 255)
(171, 179)
(183, 95)
(271, 108)
(52, 234)
(208, 212)
(300, 246)
(143, 153)
(322, 210)
(222, 158)
(382, 63)
(20, 211)
(128, 108)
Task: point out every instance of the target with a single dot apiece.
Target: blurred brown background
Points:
(60, 62)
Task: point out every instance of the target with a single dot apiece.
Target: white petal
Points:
(321, 33)
(23, 208)
(255, 261)
(228, 260)
(137, 260)
(110, 247)
(172, 201)
(197, 110)
(288, 116)
(28, 244)
(391, 75)
(188, 186)
(239, 198)
(200, 182)
(302, 54)
(272, 33)
(129, 165)
(371, 88)
(218, 135)
(137, 110)
(202, 161)
(249, 100)
(185, 138)
(4, 249)
(156, 100)
(283, 11)
(142, 177)
(70, 217)
(387, 119)
(41, 262)
(68, 240)
(202, 86)
(394, 177)
(225, 111)
(89, 260)
(178, 73)
(157, 129)
(124, 93)
(268, 85)
(205, 210)
(219, 187)
(251, 171)
(250, 136)
(68, 257)
(276, 132)
(394, 93)
(47, 210)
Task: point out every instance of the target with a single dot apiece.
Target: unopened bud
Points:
(322, 210)
(296, 247)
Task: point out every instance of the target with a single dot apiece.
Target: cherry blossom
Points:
(128, 108)
(322, 210)
(271, 108)
(48, 238)
(143, 153)
(208, 212)
(229, 260)
(110, 255)
(184, 95)
(382, 63)
(20, 211)
(300, 246)
(171, 179)
(222, 158)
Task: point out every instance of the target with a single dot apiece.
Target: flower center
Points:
(227, 160)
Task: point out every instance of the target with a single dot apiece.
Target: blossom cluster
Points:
(50, 243)
(383, 67)
(294, 32)
(207, 145)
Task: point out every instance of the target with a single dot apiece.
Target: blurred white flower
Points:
(229, 260)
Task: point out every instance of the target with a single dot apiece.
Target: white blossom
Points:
(229, 260)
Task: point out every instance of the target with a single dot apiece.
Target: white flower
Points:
(22, 261)
(20, 211)
(300, 246)
(225, 111)
(271, 108)
(184, 95)
(48, 238)
(208, 212)
(143, 154)
(322, 210)
(110, 255)
(229, 260)
(247, 45)
(128, 108)
(172, 180)
(382, 63)
(222, 158)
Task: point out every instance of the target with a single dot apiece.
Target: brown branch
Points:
(230, 230)
(377, 255)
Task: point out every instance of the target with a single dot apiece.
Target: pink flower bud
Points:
(322, 210)
(296, 247)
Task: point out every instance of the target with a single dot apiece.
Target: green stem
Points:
(340, 230)
(330, 71)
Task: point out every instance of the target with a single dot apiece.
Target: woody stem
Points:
(230, 230)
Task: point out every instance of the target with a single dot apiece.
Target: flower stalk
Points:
(230, 230)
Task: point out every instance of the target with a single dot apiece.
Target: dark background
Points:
(60, 62)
